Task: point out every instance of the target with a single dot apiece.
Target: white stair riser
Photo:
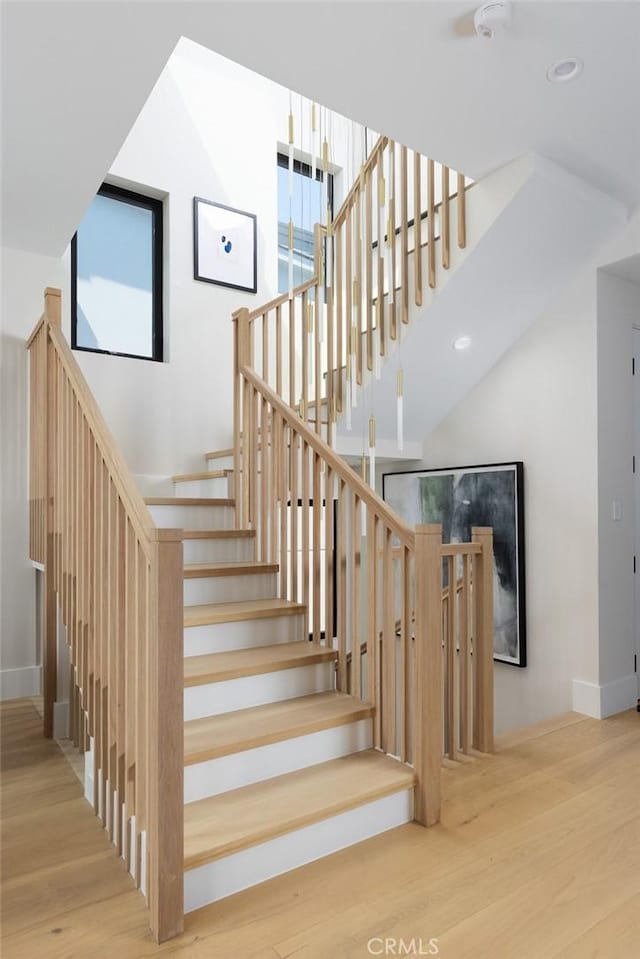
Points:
(220, 463)
(193, 517)
(246, 633)
(229, 589)
(216, 776)
(227, 696)
(226, 876)
(236, 549)
(216, 486)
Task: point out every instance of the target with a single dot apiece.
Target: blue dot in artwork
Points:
(227, 244)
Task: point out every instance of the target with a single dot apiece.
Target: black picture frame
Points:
(198, 268)
(478, 509)
(156, 207)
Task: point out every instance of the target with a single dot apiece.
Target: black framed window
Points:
(116, 276)
(305, 211)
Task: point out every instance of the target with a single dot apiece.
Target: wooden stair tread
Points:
(224, 824)
(211, 613)
(218, 454)
(237, 568)
(234, 732)
(257, 660)
(189, 501)
(206, 475)
(218, 533)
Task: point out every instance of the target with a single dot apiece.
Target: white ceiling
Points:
(75, 76)
(628, 269)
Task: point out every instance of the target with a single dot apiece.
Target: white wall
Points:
(24, 277)
(548, 402)
(618, 308)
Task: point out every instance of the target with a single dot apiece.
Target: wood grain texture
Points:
(218, 533)
(249, 609)
(215, 736)
(206, 475)
(239, 568)
(221, 825)
(219, 667)
(538, 824)
(189, 501)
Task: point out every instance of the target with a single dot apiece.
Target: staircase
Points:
(269, 665)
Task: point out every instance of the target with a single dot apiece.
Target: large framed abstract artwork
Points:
(224, 245)
(460, 498)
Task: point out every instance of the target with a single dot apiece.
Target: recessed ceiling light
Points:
(564, 70)
(462, 343)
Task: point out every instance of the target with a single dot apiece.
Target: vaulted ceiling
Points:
(75, 76)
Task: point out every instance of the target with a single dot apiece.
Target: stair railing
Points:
(360, 573)
(371, 261)
(117, 582)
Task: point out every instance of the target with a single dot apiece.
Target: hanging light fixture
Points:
(372, 453)
(291, 139)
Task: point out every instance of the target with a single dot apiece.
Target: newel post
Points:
(241, 358)
(53, 317)
(483, 641)
(429, 717)
(166, 731)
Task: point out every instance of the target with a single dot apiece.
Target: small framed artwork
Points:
(224, 245)
(466, 496)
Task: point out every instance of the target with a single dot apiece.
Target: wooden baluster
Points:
(483, 641)
(265, 347)
(356, 599)
(404, 215)
(46, 525)
(330, 366)
(428, 728)
(131, 585)
(445, 232)
(166, 756)
(317, 306)
(143, 653)
(329, 556)
(450, 660)
(464, 654)
(406, 673)
(279, 350)
(380, 317)
(120, 639)
(417, 231)
(317, 557)
(461, 206)
(276, 470)
(339, 317)
(431, 230)
(267, 452)
(358, 285)
(348, 291)
(342, 585)
(372, 602)
(283, 487)
(242, 358)
(304, 467)
(368, 245)
(390, 228)
(295, 561)
(388, 647)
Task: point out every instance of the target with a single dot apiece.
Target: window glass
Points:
(117, 287)
(306, 211)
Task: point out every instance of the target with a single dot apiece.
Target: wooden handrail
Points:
(127, 489)
(115, 581)
(367, 166)
(335, 462)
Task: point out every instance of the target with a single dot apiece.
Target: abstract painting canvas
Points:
(468, 496)
(224, 245)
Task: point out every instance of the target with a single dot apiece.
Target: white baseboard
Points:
(61, 720)
(608, 699)
(21, 682)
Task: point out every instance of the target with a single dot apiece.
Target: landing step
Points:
(218, 667)
(221, 825)
(218, 533)
(192, 477)
(238, 568)
(212, 613)
(229, 733)
(188, 501)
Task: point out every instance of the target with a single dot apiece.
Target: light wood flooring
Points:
(537, 857)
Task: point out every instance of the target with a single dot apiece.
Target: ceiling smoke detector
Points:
(462, 343)
(491, 19)
(564, 70)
